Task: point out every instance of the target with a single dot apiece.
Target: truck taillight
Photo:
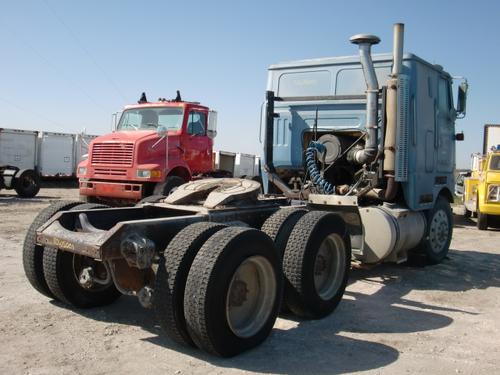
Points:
(493, 193)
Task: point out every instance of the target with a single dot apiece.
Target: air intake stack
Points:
(368, 154)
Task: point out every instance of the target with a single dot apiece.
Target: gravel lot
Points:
(394, 319)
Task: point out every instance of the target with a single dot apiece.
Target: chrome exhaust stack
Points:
(397, 49)
(368, 154)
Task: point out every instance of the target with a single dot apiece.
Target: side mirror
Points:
(115, 117)
(462, 99)
(162, 131)
(212, 124)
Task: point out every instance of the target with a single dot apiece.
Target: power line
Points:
(85, 50)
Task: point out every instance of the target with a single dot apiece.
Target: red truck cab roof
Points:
(166, 103)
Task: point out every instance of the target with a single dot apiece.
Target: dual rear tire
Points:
(316, 259)
(218, 288)
(55, 273)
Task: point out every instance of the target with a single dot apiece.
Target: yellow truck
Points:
(482, 189)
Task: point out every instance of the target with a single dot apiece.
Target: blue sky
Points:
(67, 65)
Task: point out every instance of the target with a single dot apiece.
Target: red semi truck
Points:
(155, 147)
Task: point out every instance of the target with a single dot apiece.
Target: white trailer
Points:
(18, 161)
(237, 164)
(56, 156)
(244, 165)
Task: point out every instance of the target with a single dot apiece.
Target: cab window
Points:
(444, 103)
(196, 123)
(495, 163)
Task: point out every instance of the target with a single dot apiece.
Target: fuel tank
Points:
(389, 232)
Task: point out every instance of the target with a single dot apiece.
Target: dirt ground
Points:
(394, 319)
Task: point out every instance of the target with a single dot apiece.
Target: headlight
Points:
(494, 193)
(82, 170)
(146, 173)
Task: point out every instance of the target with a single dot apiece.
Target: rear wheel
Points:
(33, 253)
(27, 184)
(79, 280)
(165, 188)
(279, 226)
(170, 283)
(233, 291)
(436, 242)
(316, 264)
(67, 277)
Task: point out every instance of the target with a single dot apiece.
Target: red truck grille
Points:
(110, 172)
(113, 153)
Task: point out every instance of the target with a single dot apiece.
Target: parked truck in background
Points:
(27, 156)
(482, 188)
(18, 162)
(356, 171)
(155, 147)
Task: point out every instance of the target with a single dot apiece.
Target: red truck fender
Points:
(177, 176)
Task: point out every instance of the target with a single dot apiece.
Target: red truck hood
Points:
(127, 136)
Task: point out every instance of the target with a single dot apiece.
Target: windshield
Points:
(495, 163)
(151, 118)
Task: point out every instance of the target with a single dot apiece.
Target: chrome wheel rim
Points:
(439, 231)
(329, 266)
(250, 296)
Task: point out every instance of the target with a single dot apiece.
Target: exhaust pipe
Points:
(397, 49)
(392, 112)
(368, 154)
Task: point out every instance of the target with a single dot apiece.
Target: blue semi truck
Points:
(358, 162)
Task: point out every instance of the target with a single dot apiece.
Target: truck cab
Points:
(482, 188)
(155, 147)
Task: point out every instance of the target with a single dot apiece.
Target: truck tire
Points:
(151, 199)
(60, 273)
(436, 242)
(279, 225)
(233, 291)
(33, 253)
(170, 282)
(27, 184)
(482, 221)
(62, 279)
(165, 188)
(316, 264)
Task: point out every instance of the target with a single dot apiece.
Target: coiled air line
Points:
(316, 177)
